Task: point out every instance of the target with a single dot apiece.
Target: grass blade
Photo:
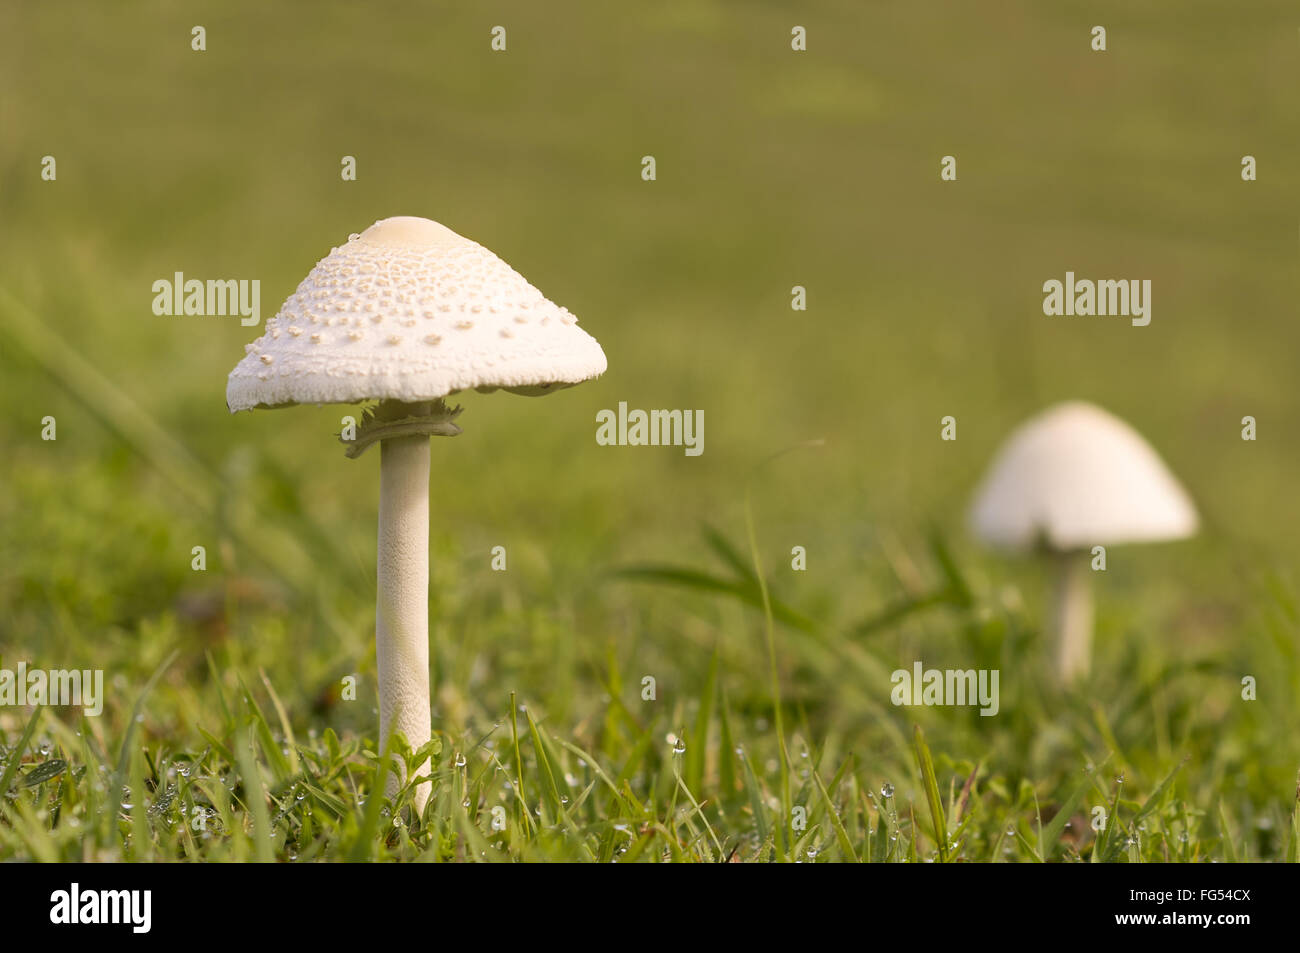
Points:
(841, 835)
(1050, 836)
(16, 754)
(931, 786)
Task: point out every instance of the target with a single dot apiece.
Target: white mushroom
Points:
(1069, 479)
(395, 264)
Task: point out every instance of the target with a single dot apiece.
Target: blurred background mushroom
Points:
(1069, 479)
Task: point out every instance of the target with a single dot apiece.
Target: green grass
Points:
(226, 688)
(196, 768)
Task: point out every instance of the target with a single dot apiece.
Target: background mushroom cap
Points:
(1076, 476)
(409, 310)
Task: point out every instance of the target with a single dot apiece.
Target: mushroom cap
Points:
(408, 310)
(1076, 476)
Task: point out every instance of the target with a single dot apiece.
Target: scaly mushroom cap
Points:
(408, 310)
(1074, 477)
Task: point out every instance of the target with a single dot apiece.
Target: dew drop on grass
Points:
(460, 760)
(886, 790)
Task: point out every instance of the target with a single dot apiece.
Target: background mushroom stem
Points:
(402, 601)
(1072, 616)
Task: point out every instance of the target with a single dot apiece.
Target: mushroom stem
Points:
(1073, 616)
(402, 599)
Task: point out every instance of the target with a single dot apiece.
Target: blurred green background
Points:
(775, 169)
